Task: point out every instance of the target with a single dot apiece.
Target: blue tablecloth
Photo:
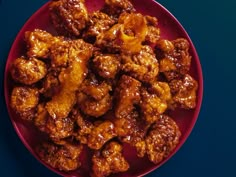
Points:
(210, 151)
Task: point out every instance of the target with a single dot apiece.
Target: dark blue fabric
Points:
(210, 151)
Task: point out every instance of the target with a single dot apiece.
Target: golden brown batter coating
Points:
(153, 34)
(94, 88)
(39, 43)
(109, 160)
(98, 23)
(127, 94)
(50, 84)
(59, 54)
(56, 129)
(24, 101)
(85, 128)
(115, 7)
(174, 57)
(41, 118)
(100, 134)
(70, 79)
(107, 65)
(130, 129)
(126, 36)
(64, 157)
(69, 17)
(152, 106)
(162, 139)
(184, 92)
(142, 66)
(28, 71)
(93, 107)
(162, 89)
(60, 128)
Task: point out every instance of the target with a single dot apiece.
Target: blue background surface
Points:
(210, 151)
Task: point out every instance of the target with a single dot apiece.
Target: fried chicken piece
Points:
(100, 134)
(94, 88)
(184, 92)
(109, 160)
(142, 66)
(116, 7)
(62, 52)
(56, 129)
(162, 90)
(41, 118)
(162, 139)
(109, 40)
(28, 71)
(151, 106)
(85, 128)
(98, 23)
(50, 84)
(60, 128)
(70, 79)
(59, 54)
(130, 129)
(39, 43)
(126, 36)
(107, 65)
(24, 101)
(93, 107)
(69, 17)
(63, 157)
(127, 94)
(174, 58)
(153, 34)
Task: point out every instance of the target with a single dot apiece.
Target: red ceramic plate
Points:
(170, 29)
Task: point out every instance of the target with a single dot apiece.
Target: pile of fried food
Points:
(107, 78)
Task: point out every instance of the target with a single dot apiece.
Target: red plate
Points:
(170, 29)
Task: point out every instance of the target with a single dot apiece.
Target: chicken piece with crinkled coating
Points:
(63, 157)
(70, 79)
(153, 34)
(142, 66)
(174, 57)
(98, 22)
(162, 89)
(59, 54)
(28, 71)
(39, 43)
(41, 118)
(162, 139)
(184, 92)
(93, 107)
(107, 65)
(57, 129)
(50, 84)
(24, 101)
(85, 127)
(95, 88)
(100, 134)
(60, 128)
(115, 7)
(69, 17)
(131, 129)
(151, 106)
(127, 94)
(109, 160)
(126, 36)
